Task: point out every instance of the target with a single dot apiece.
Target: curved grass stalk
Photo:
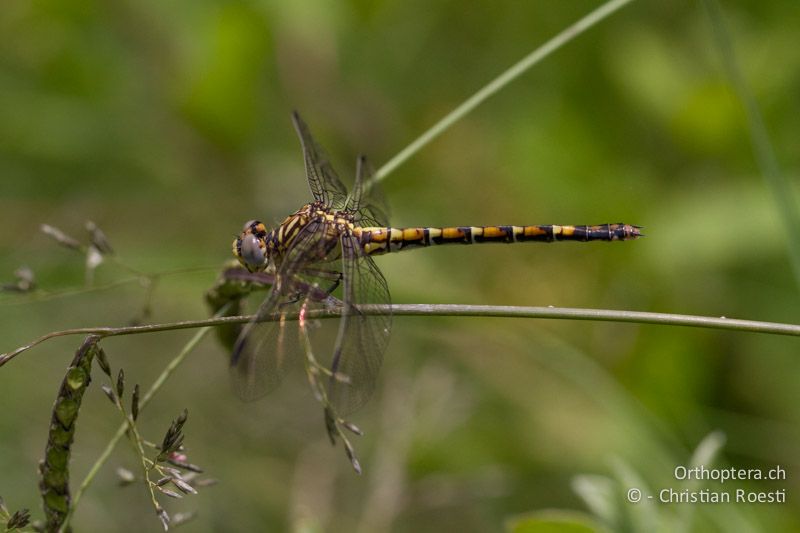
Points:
(500, 311)
(498, 83)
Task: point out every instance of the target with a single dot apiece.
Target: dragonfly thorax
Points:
(256, 246)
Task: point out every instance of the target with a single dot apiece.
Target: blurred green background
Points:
(167, 123)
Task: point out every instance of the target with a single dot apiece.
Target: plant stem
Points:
(42, 295)
(603, 315)
(54, 468)
(498, 83)
(154, 388)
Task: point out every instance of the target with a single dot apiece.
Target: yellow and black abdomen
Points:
(377, 241)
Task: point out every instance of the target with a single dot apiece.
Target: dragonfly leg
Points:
(336, 283)
(330, 301)
(334, 277)
(295, 298)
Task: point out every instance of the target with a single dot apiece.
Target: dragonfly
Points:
(320, 258)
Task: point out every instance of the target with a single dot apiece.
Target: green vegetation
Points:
(167, 124)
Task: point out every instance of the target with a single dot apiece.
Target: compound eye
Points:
(255, 227)
(253, 255)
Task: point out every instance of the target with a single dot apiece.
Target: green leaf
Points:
(553, 521)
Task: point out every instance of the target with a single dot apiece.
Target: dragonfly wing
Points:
(262, 351)
(264, 347)
(322, 179)
(367, 199)
(362, 338)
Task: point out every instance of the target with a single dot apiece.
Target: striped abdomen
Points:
(382, 240)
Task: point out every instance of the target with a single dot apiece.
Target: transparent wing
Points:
(367, 199)
(322, 179)
(263, 349)
(362, 338)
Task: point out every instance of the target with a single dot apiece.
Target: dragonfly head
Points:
(250, 248)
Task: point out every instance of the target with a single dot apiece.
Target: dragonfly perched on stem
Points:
(325, 249)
